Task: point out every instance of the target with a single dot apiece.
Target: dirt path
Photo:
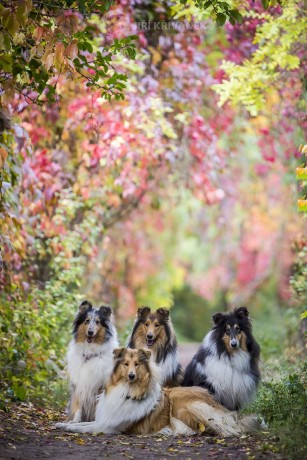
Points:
(27, 432)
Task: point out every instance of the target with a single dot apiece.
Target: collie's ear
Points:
(143, 312)
(119, 352)
(242, 312)
(218, 317)
(106, 311)
(163, 312)
(85, 305)
(144, 353)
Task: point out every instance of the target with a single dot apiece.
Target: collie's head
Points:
(132, 365)
(92, 325)
(152, 330)
(232, 330)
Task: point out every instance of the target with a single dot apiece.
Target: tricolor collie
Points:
(155, 332)
(135, 402)
(90, 359)
(226, 363)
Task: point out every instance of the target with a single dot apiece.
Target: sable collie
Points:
(155, 332)
(134, 402)
(90, 359)
(226, 363)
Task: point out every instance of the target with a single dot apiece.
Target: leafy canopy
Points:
(40, 41)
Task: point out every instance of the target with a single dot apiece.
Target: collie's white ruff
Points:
(229, 375)
(115, 413)
(90, 367)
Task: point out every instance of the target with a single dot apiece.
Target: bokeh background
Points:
(166, 198)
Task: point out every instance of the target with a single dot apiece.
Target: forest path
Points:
(27, 432)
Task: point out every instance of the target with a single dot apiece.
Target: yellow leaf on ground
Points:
(80, 441)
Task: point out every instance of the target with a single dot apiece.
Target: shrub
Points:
(283, 406)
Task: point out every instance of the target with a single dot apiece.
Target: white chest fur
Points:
(115, 413)
(90, 365)
(230, 376)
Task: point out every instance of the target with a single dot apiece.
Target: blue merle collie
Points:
(226, 363)
(155, 332)
(90, 359)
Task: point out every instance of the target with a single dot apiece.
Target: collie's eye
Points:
(97, 322)
(157, 325)
(227, 331)
(87, 321)
(146, 324)
(136, 364)
(126, 364)
(238, 329)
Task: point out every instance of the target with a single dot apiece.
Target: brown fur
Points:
(99, 334)
(74, 404)
(174, 403)
(131, 361)
(153, 324)
(240, 336)
(243, 343)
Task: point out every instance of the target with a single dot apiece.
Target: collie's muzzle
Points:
(150, 340)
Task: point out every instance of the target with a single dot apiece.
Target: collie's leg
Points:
(166, 431)
(178, 427)
(75, 410)
(85, 427)
(77, 417)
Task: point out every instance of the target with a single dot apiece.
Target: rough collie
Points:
(90, 359)
(155, 332)
(135, 402)
(226, 363)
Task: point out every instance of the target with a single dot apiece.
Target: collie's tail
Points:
(224, 422)
(192, 406)
(249, 423)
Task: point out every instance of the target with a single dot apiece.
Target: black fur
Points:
(238, 316)
(195, 373)
(104, 314)
(193, 379)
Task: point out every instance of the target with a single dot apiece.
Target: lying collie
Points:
(134, 402)
(155, 332)
(90, 359)
(226, 363)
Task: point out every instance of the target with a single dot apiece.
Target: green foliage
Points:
(283, 404)
(279, 40)
(194, 325)
(220, 11)
(40, 40)
(35, 328)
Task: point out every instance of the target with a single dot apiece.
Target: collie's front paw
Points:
(166, 431)
(60, 425)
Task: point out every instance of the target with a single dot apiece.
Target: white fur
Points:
(90, 367)
(178, 428)
(115, 413)
(230, 376)
(168, 366)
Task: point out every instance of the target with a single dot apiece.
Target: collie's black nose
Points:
(90, 333)
(131, 376)
(149, 336)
